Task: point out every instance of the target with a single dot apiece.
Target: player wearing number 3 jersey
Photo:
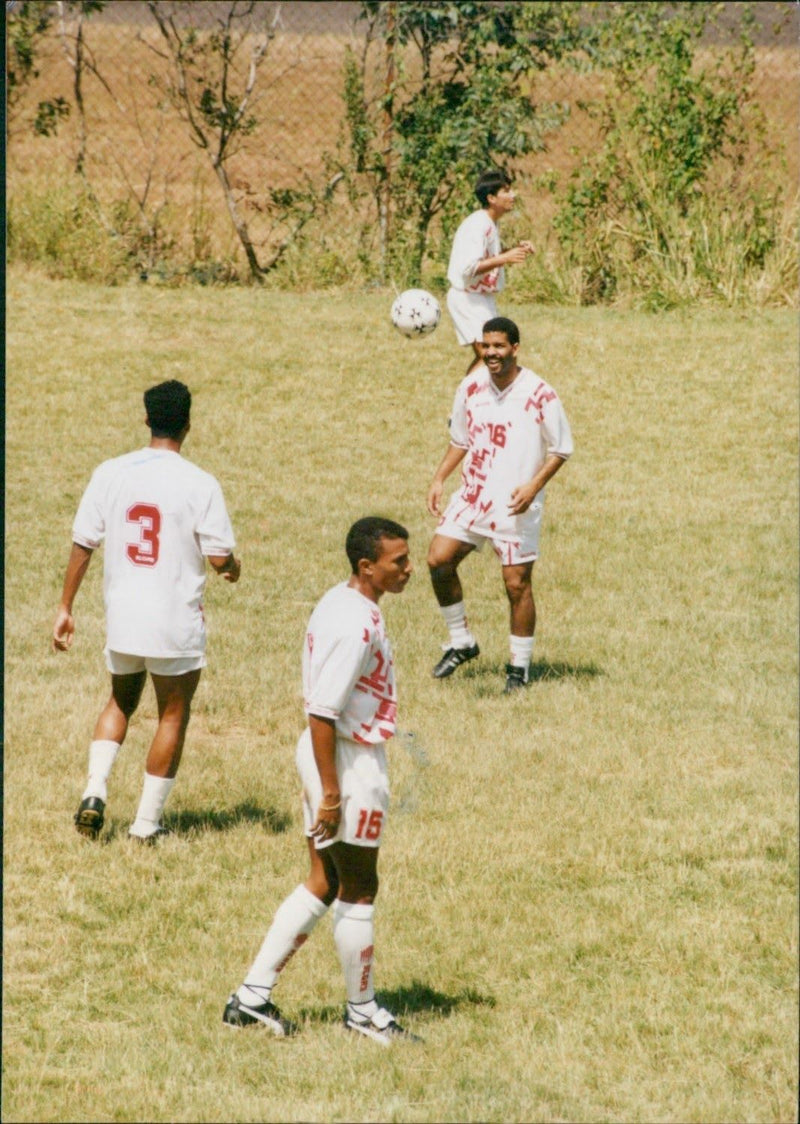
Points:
(160, 517)
(351, 704)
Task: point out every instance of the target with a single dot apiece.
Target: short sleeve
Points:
(214, 529)
(340, 666)
(557, 432)
(458, 419)
(89, 526)
(468, 250)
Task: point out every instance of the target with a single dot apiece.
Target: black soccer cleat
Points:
(89, 818)
(266, 1014)
(453, 658)
(515, 679)
(152, 839)
(382, 1027)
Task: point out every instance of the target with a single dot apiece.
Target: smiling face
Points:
(500, 357)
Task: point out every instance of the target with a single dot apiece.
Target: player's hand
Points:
(63, 631)
(527, 246)
(232, 575)
(435, 497)
(516, 255)
(522, 498)
(329, 816)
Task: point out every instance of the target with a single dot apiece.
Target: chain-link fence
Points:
(110, 80)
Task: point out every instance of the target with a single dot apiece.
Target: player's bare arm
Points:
(513, 256)
(453, 457)
(226, 565)
(323, 742)
(523, 496)
(64, 626)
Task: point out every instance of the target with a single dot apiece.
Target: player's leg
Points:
(469, 312)
(445, 555)
(294, 920)
(109, 734)
(522, 613)
(477, 358)
(174, 694)
(364, 785)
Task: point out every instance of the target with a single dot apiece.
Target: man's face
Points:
(390, 572)
(499, 355)
(503, 200)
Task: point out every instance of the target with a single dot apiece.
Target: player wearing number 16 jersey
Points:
(351, 703)
(509, 432)
(160, 517)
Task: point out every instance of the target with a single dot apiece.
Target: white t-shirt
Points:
(508, 435)
(477, 238)
(159, 515)
(348, 670)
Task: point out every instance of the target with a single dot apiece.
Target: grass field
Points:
(589, 893)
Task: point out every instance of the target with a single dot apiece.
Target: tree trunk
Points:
(240, 226)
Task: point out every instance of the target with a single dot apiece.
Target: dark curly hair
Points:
(168, 407)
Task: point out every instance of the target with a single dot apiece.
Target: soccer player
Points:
(351, 702)
(510, 430)
(477, 263)
(160, 516)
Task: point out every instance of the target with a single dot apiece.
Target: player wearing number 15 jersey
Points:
(510, 431)
(160, 517)
(350, 701)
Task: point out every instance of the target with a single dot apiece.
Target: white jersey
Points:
(348, 670)
(508, 435)
(159, 515)
(477, 238)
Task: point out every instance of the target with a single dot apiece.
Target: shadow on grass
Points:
(489, 676)
(194, 823)
(415, 999)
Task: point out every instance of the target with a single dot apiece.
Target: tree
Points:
(212, 84)
(670, 118)
(81, 59)
(27, 27)
(461, 99)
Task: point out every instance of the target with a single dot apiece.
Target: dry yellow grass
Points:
(589, 893)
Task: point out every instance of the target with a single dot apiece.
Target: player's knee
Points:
(361, 888)
(323, 886)
(441, 569)
(518, 586)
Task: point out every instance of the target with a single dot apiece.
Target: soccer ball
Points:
(415, 313)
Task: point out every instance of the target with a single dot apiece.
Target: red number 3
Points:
(145, 551)
(369, 824)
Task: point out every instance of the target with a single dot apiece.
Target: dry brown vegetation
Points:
(137, 144)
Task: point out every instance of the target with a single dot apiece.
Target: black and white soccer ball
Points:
(415, 313)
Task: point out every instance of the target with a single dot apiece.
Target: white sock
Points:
(521, 652)
(101, 758)
(353, 932)
(155, 791)
(291, 927)
(455, 618)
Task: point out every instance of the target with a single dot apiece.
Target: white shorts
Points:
(510, 551)
(364, 786)
(120, 663)
(469, 312)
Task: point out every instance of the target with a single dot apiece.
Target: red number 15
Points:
(369, 824)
